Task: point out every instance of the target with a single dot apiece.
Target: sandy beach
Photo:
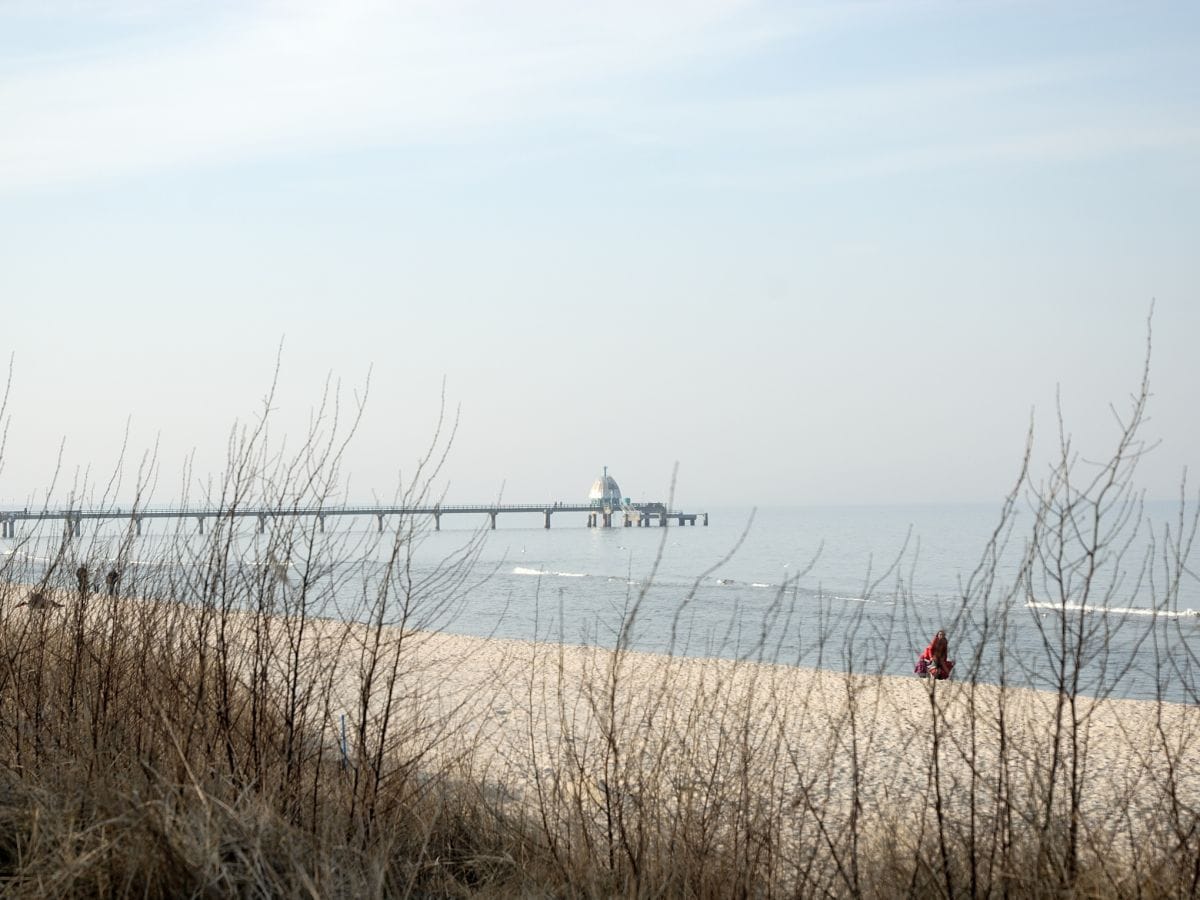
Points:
(518, 698)
(587, 725)
(544, 723)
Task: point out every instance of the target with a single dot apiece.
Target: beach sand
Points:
(582, 723)
(543, 724)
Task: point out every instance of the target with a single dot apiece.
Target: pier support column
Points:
(608, 520)
(75, 529)
(628, 522)
(137, 521)
(706, 520)
(437, 521)
(321, 523)
(200, 523)
(380, 518)
(262, 524)
(547, 525)
(591, 520)
(493, 515)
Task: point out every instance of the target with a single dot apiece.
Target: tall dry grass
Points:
(280, 717)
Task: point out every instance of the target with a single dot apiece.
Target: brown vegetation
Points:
(186, 737)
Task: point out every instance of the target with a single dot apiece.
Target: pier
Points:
(627, 515)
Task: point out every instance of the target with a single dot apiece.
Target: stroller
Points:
(927, 668)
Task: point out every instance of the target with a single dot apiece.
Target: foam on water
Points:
(1114, 610)
(524, 570)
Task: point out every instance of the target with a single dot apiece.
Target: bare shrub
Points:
(271, 708)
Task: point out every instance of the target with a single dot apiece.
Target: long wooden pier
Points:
(630, 515)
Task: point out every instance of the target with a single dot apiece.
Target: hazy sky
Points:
(815, 253)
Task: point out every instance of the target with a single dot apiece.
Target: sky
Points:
(807, 253)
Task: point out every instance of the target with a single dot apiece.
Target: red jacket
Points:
(937, 649)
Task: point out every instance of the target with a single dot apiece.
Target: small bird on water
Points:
(38, 600)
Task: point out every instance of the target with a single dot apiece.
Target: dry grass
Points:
(186, 737)
(136, 762)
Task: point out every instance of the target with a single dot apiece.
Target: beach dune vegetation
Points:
(288, 716)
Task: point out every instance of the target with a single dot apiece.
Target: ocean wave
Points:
(546, 573)
(760, 584)
(1115, 610)
(107, 561)
(29, 557)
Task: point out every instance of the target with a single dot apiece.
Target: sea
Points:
(848, 588)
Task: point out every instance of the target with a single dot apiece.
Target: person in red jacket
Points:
(933, 658)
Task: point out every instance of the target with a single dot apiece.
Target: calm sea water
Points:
(858, 588)
(839, 587)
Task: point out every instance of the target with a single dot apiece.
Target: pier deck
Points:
(631, 515)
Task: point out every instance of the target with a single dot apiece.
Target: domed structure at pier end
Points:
(605, 492)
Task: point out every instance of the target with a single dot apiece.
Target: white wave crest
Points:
(525, 570)
(1115, 610)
